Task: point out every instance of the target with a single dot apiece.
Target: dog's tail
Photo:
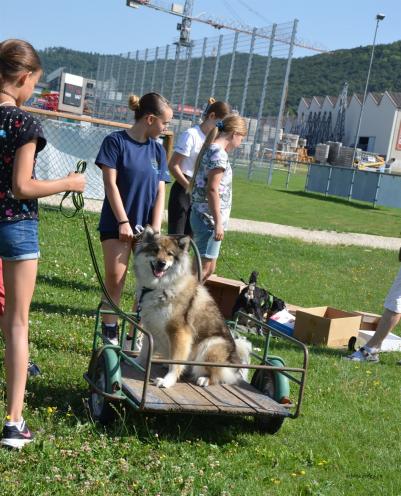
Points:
(244, 348)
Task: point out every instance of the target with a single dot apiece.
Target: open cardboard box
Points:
(326, 326)
(369, 321)
(225, 292)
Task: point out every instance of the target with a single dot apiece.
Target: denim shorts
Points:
(203, 235)
(19, 240)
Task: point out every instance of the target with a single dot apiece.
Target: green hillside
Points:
(322, 74)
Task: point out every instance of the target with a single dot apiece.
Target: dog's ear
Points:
(253, 277)
(184, 243)
(148, 234)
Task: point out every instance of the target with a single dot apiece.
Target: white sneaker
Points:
(364, 354)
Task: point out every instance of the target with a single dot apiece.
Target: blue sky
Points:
(108, 26)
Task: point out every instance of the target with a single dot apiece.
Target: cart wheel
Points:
(275, 386)
(102, 371)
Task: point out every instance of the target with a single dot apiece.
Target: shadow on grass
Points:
(330, 199)
(64, 310)
(58, 282)
(148, 428)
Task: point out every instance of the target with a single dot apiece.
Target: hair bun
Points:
(211, 101)
(133, 102)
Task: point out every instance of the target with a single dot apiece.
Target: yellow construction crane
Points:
(185, 12)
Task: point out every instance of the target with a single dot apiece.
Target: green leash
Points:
(77, 198)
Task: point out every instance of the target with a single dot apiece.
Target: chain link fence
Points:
(249, 71)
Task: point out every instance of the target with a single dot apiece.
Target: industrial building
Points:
(380, 130)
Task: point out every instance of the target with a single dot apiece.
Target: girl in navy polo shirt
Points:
(134, 168)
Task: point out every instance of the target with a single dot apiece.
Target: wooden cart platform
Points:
(186, 397)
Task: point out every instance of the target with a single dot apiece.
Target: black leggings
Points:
(179, 209)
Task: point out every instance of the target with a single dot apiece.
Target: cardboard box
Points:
(369, 321)
(326, 326)
(225, 292)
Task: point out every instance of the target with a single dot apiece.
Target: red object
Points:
(50, 101)
(2, 295)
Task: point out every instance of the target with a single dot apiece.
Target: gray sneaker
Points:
(110, 334)
(364, 354)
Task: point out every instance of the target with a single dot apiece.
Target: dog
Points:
(181, 315)
(257, 302)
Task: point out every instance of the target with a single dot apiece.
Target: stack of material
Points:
(345, 155)
(334, 150)
(301, 142)
(321, 153)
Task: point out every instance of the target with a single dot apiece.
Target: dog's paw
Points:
(166, 381)
(202, 381)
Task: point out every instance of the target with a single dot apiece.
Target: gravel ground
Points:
(281, 231)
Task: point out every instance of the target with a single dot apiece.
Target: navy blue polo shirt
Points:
(140, 167)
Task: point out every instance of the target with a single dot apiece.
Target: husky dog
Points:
(182, 317)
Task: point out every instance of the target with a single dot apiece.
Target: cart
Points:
(114, 376)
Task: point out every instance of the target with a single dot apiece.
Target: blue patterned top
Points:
(215, 157)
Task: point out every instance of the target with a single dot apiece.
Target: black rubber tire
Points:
(101, 409)
(264, 381)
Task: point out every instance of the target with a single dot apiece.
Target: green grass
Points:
(255, 200)
(346, 441)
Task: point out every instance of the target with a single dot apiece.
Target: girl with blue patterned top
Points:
(211, 189)
(134, 168)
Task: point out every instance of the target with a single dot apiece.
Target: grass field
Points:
(256, 201)
(346, 441)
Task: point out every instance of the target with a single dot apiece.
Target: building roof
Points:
(319, 99)
(333, 99)
(307, 100)
(396, 97)
(377, 97)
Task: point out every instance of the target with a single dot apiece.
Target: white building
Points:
(380, 130)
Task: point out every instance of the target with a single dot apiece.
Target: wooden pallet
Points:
(238, 399)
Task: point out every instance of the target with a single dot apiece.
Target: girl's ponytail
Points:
(212, 135)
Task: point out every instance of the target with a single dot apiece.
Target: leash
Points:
(79, 204)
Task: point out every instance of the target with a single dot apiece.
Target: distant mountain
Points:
(322, 74)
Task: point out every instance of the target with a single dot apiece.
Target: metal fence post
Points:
(135, 71)
(184, 92)
(230, 74)
(262, 101)
(145, 62)
(283, 99)
(117, 84)
(152, 84)
(245, 93)
(216, 65)
(177, 60)
(202, 61)
(164, 69)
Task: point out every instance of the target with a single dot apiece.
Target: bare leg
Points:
(208, 267)
(116, 256)
(386, 324)
(19, 282)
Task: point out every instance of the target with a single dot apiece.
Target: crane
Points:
(185, 12)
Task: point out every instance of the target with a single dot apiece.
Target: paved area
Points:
(310, 236)
(279, 230)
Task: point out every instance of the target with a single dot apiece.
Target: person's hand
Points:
(77, 182)
(125, 232)
(219, 232)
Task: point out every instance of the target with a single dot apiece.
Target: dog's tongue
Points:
(158, 273)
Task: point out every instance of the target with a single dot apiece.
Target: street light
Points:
(379, 17)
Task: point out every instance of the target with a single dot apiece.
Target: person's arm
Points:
(158, 208)
(24, 187)
(174, 166)
(116, 203)
(213, 182)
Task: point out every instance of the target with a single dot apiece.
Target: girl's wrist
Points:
(123, 222)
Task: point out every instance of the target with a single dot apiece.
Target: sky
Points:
(109, 26)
